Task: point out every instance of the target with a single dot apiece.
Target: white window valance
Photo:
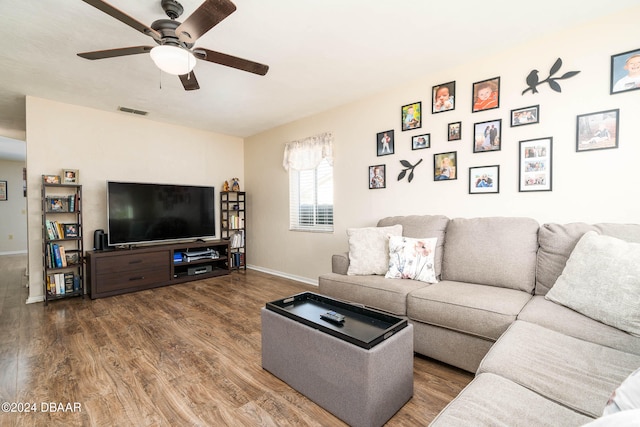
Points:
(307, 153)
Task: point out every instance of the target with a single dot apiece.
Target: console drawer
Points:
(132, 279)
(131, 261)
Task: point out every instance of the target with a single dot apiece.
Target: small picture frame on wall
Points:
(445, 166)
(597, 131)
(418, 142)
(412, 116)
(625, 71)
(525, 116)
(51, 179)
(486, 95)
(3, 191)
(454, 131)
(385, 143)
(535, 164)
(69, 176)
(484, 179)
(443, 97)
(377, 177)
(487, 136)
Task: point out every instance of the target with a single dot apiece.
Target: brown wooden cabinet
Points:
(120, 271)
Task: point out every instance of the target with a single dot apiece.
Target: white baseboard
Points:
(32, 300)
(24, 252)
(285, 275)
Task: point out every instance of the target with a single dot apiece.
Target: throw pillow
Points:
(412, 259)
(602, 281)
(369, 249)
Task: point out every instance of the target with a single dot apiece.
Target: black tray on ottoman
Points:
(363, 327)
(360, 370)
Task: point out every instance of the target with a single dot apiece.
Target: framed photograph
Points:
(444, 166)
(412, 116)
(70, 230)
(384, 142)
(597, 131)
(418, 142)
(57, 204)
(486, 95)
(69, 176)
(625, 71)
(484, 179)
(442, 98)
(72, 258)
(377, 177)
(51, 179)
(454, 131)
(525, 116)
(487, 136)
(3, 191)
(535, 164)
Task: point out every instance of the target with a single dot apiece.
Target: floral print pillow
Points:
(411, 258)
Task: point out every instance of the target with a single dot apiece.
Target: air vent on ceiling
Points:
(133, 111)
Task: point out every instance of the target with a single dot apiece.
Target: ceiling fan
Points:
(174, 52)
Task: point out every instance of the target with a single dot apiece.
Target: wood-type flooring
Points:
(187, 354)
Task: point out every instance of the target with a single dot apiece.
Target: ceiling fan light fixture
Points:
(173, 59)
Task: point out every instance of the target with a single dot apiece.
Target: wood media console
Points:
(119, 271)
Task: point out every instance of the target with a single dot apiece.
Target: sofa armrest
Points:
(340, 263)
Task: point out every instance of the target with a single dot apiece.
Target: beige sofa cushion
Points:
(479, 310)
(564, 320)
(558, 240)
(575, 373)
(490, 400)
(389, 295)
(422, 226)
(492, 251)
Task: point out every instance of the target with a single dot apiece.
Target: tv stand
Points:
(120, 271)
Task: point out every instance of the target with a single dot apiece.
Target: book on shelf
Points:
(237, 239)
(62, 283)
(235, 222)
(57, 230)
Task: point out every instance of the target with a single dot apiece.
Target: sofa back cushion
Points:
(422, 227)
(557, 241)
(494, 251)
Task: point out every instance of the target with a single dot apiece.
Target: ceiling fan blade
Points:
(112, 53)
(231, 61)
(189, 81)
(208, 15)
(124, 18)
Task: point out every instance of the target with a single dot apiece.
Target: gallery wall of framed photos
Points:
(578, 189)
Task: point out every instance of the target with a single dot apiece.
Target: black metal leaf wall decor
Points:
(408, 167)
(533, 80)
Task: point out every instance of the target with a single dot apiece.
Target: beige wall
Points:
(13, 212)
(587, 186)
(113, 146)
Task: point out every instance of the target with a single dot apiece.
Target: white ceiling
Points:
(321, 53)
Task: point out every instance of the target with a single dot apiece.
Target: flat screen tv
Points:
(146, 213)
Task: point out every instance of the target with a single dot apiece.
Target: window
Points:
(310, 165)
(311, 198)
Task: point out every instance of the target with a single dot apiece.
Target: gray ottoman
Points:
(361, 387)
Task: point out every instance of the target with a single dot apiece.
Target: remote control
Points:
(332, 316)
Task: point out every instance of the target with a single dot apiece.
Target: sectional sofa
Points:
(546, 316)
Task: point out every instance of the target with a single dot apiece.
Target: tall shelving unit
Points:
(233, 217)
(62, 246)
